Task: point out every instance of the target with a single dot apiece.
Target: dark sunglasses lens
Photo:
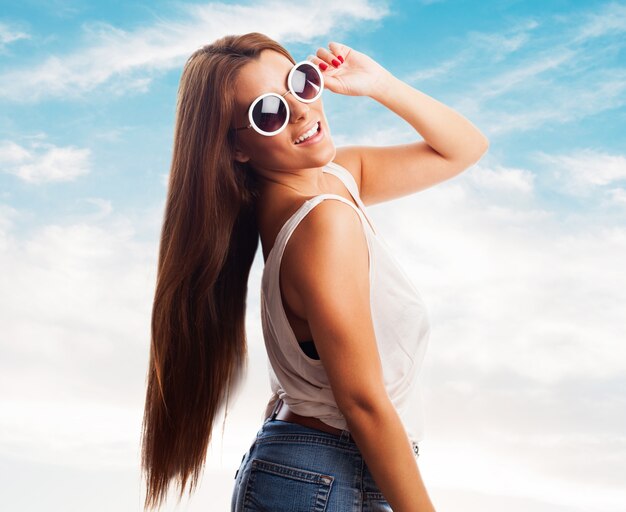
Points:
(269, 113)
(306, 81)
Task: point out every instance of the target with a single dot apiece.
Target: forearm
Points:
(386, 449)
(445, 130)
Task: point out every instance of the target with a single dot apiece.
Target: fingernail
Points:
(336, 63)
(340, 58)
(323, 66)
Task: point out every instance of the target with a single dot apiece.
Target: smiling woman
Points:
(344, 328)
(278, 107)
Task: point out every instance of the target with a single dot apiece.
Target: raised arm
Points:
(326, 264)
(451, 142)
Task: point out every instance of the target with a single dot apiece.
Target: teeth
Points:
(308, 134)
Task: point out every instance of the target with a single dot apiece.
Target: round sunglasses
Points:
(269, 113)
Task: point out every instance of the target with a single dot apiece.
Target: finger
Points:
(319, 62)
(328, 57)
(341, 51)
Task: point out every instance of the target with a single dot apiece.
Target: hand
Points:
(358, 75)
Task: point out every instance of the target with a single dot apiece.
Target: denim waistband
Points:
(274, 429)
(343, 437)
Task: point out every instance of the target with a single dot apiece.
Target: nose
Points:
(298, 109)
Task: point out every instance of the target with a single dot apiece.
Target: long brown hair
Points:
(209, 237)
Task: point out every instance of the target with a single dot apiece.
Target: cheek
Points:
(267, 150)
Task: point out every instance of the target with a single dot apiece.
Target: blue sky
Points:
(519, 258)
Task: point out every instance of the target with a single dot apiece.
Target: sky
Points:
(519, 259)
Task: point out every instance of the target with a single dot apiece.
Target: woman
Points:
(344, 328)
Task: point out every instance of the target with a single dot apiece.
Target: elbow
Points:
(461, 164)
(480, 148)
(363, 404)
(485, 146)
(474, 151)
(368, 415)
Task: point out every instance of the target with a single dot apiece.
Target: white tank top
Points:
(400, 318)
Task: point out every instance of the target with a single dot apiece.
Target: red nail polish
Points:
(336, 63)
(323, 66)
(340, 58)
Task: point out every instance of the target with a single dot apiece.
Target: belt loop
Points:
(277, 406)
(345, 436)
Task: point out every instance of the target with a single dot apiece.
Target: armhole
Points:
(350, 183)
(312, 204)
(276, 281)
(349, 177)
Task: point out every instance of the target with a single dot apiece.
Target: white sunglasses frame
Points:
(281, 97)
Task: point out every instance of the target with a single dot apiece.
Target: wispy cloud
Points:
(609, 19)
(129, 60)
(9, 34)
(497, 45)
(441, 69)
(585, 171)
(502, 179)
(44, 162)
(556, 70)
(618, 195)
(501, 45)
(519, 76)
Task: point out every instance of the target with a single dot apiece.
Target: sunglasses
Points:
(269, 113)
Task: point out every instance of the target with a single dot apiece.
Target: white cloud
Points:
(74, 336)
(503, 44)
(104, 207)
(608, 19)
(502, 179)
(583, 172)
(561, 101)
(127, 60)
(618, 195)
(391, 134)
(44, 162)
(9, 35)
(442, 68)
(520, 75)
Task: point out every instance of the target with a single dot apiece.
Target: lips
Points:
(314, 123)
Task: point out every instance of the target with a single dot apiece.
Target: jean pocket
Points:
(282, 488)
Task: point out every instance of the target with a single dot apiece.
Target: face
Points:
(269, 73)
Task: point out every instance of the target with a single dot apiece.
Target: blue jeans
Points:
(293, 468)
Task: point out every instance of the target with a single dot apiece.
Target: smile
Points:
(311, 137)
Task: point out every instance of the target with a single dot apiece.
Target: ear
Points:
(240, 156)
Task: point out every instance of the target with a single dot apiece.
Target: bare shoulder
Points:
(329, 236)
(349, 157)
(327, 242)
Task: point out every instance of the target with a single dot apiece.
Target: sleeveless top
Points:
(400, 318)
